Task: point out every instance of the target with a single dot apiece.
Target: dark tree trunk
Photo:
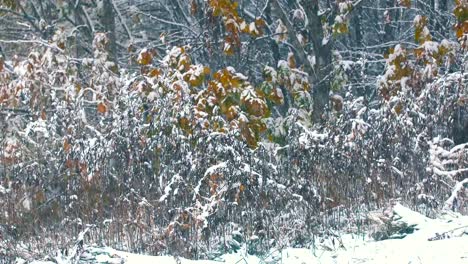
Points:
(356, 23)
(107, 20)
(320, 75)
(460, 125)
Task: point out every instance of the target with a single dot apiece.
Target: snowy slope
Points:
(441, 240)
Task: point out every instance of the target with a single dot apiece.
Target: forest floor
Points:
(440, 240)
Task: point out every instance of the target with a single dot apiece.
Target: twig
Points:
(122, 21)
(41, 42)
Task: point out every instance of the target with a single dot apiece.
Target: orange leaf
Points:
(154, 72)
(102, 108)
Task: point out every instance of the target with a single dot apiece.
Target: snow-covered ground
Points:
(441, 240)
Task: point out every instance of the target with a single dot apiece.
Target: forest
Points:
(197, 128)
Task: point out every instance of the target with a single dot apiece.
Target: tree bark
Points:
(107, 20)
(356, 23)
(323, 58)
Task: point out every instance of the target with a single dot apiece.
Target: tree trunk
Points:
(323, 57)
(356, 23)
(318, 73)
(107, 20)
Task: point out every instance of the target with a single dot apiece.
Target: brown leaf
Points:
(405, 3)
(43, 115)
(291, 60)
(154, 72)
(193, 7)
(145, 57)
(66, 145)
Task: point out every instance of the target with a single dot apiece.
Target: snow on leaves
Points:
(340, 25)
(234, 24)
(405, 73)
(461, 27)
(229, 94)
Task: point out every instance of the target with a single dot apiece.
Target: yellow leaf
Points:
(206, 70)
(398, 108)
(241, 187)
(232, 113)
(184, 123)
(228, 49)
(145, 57)
(196, 81)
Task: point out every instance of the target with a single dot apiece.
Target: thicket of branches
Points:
(189, 127)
